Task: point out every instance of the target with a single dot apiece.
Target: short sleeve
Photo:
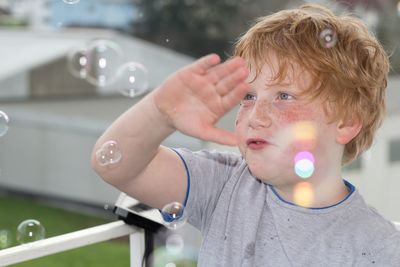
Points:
(208, 173)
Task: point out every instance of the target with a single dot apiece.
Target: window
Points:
(394, 150)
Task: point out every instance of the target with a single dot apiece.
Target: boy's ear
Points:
(347, 129)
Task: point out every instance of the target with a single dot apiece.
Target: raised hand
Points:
(197, 96)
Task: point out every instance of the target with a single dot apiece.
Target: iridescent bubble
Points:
(109, 153)
(304, 155)
(174, 244)
(30, 231)
(303, 194)
(162, 257)
(304, 164)
(174, 215)
(4, 121)
(132, 79)
(103, 60)
(304, 168)
(71, 2)
(328, 38)
(77, 62)
(5, 239)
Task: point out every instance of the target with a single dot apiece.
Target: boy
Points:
(304, 99)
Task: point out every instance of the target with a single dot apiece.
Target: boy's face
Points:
(275, 123)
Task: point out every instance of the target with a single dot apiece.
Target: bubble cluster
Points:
(77, 62)
(100, 63)
(103, 59)
(29, 231)
(132, 79)
(4, 121)
(71, 2)
(303, 194)
(328, 38)
(304, 164)
(173, 215)
(108, 154)
(5, 239)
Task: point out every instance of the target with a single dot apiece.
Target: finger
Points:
(220, 71)
(220, 136)
(233, 97)
(231, 81)
(202, 65)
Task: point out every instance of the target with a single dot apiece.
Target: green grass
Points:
(56, 222)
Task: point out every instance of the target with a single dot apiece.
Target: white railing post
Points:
(137, 247)
(73, 240)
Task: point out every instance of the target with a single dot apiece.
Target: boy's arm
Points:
(191, 101)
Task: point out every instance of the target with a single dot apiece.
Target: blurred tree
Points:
(188, 26)
(198, 27)
(387, 28)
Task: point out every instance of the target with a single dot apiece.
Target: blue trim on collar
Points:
(351, 187)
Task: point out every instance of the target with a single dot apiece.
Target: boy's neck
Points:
(324, 194)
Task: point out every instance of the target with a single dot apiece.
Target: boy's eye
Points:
(249, 97)
(285, 96)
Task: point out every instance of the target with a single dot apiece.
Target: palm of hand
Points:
(197, 96)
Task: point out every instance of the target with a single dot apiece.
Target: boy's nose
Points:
(259, 116)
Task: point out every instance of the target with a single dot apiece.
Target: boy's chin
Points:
(273, 177)
(261, 175)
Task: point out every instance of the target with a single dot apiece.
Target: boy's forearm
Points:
(138, 133)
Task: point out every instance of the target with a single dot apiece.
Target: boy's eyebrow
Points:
(278, 85)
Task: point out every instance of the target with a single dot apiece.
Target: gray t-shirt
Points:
(245, 223)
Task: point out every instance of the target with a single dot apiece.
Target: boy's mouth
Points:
(256, 143)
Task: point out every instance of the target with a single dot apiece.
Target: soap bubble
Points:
(5, 239)
(174, 244)
(77, 62)
(163, 257)
(304, 164)
(71, 2)
(109, 153)
(103, 60)
(132, 79)
(30, 230)
(4, 120)
(174, 215)
(328, 38)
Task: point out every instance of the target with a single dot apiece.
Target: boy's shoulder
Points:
(369, 229)
(223, 157)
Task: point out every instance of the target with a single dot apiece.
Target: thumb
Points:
(220, 136)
